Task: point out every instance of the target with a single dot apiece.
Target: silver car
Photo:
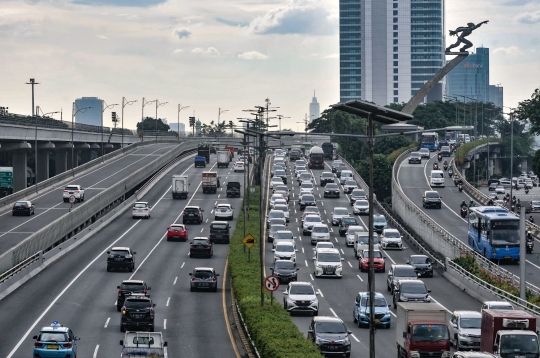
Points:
(465, 327)
(361, 207)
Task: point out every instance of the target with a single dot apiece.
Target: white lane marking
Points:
(334, 313)
(168, 300)
(219, 196)
(356, 339)
(302, 250)
(306, 262)
(176, 278)
(311, 276)
(300, 237)
(349, 263)
(388, 256)
(325, 212)
(447, 310)
(336, 239)
(392, 313)
(202, 229)
(215, 203)
(183, 263)
(211, 211)
(320, 293)
(107, 322)
(96, 350)
(322, 203)
(360, 278)
(342, 252)
(165, 323)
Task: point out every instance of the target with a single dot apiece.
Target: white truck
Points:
(180, 186)
(223, 158)
(143, 344)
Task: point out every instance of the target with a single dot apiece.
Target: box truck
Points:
(180, 186)
(210, 182)
(223, 158)
(143, 344)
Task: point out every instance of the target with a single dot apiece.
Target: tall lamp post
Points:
(103, 109)
(144, 103)
(180, 108)
(124, 104)
(32, 83)
(38, 109)
(73, 113)
(157, 105)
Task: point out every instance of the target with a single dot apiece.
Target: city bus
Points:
(494, 232)
(429, 140)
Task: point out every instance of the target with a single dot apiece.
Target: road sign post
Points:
(249, 240)
(72, 200)
(272, 284)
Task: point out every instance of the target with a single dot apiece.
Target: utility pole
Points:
(33, 82)
(280, 117)
(179, 109)
(124, 103)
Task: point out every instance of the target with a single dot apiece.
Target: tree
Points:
(522, 144)
(149, 124)
(530, 109)
(388, 144)
(536, 163)
(382, 175)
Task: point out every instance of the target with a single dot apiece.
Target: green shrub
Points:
(466, 148)
(396, 153)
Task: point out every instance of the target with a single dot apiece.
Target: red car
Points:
(378, 261)
(177, 232)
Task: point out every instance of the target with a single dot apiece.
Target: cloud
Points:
(212, 51)
(307, 17)
(252, 55)
(178, 50)
(123, 3)
(529, 17)
(511, 51)
(231, 23)
(182, 32)
(518, 2)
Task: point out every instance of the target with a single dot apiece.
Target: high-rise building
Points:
(496, 95)
(389, 48)
(471, 77)
(91, 116)
(314, 109)
(174, 127)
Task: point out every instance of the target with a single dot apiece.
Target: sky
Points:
(213, 54)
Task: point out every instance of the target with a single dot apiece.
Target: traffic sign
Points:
(6, 177)
(271, 283)
(249, 241)
(72, 199)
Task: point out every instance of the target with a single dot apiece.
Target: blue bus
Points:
(429, 140)
(494, 232)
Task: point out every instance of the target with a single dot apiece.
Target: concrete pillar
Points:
(61, 161)
(72, 163)
(19, 170)
(86, 156)
(42, 165)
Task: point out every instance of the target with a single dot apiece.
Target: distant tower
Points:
(198, 128)
(314, 109)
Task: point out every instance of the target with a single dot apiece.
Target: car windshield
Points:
(203, 274)
(301, 290)
(535, 202)
(136, 303)
(331, 186)
(358, 192)
(200, 242)
(53, 337)
(119, 253)
(280, 172)
(275, 228)
(429, 332)
(308, 198)
(350, 182)
(276, 196)
(177, 227)
(392, 234)
(321, 229)
(424, 150)
(376, 254)
(413, 287)
(219, 226)
(415, 155)
(277, 180)
(329, 257)
(336, 163)
(301, 162)
(139, 205)
(445, 149)
(311, 209)
(501, 307)
(519, 343)
(348, 221)
(71, 188)
(327, 175)
(364, 240)
(276, 214)
(437, 175)
(276, 167)
(361, 203)
(284, 236)
(379, 219)
(472, 322)
(419, 260)
(283, 208)
(285, 265)
(307, 186)
(305, 176)
(312, 219)
(285, 248)
(353, 231)
(404, 272)
(325, 245)
(330, 327)
(226, 207)
(432, 195)
(341, 212)
(379, 302)
(300, 168)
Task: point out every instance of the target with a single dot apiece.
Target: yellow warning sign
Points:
(249, 241)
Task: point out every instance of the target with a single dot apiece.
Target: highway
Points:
(337, 295)
(49, 203)
(414, 180)
(78, 292)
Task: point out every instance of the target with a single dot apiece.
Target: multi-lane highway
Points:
(50, 205)
(414, 180)
(78, 291)
(337, 295)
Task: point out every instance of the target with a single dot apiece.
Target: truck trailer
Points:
(180, 186)
(143, 344)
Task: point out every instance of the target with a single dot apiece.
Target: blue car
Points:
(54, 342)
(361, 310)
(379, 222)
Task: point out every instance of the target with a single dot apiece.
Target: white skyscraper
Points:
(314, 109)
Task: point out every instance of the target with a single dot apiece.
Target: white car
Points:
(323, 245)
(301, 296)
(300, 162)
(275, 181)
(391, 239)
(350, 234)
(276, 214)
(361, 207)
(305, 177)
(299, 169)
(279, 201)
(283, 236)
(76, 190)
(275, 197)
(499, 189)
(141, 209)
(309, 221)
(224, 212)
(319, 232)
(238, 167)
(306, 188)
(282, 188)
(327, 262)
(310, 210)
(338, 214)
(436, 178)
(285, 251)
(349, 186)
(283, 208)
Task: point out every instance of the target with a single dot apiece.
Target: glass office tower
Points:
(471, 77)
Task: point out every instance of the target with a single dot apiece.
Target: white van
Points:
(361, 242)
(436, 178)
(345, 175)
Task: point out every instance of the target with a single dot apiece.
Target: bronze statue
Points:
(465, 31)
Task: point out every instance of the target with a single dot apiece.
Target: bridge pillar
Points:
(42, 165)
(61, 161)
(86, 156)
(75, 162)
(19, 170)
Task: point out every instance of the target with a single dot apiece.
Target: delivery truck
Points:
(203, 150)
(210, 182)
(180, 186)
(421, 330)
(509, 334)
(143, 344)
(223, 158)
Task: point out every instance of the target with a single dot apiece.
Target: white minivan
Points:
(436, 178)
(345, 175)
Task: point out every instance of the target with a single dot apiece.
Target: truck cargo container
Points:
(210, 182)
(316, 158)
(223, 158)
(143, 344)
(180, 186)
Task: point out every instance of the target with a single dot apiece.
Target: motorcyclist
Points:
(531, 219)
(490, 202)
(463, 204)
(445, 163)
(529, 236)
(435, 166)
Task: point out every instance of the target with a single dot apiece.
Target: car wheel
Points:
(118, 308)
(354, 318)
(359, 324)
(134, 217)
(108, 269)
(122, 329)
(316, 313)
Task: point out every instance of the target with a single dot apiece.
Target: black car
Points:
(201, 246)
(432, 199)
(335, 164)
(306, 200)
(357, 194)
(23, 207)
(339, 169)
(233, 189)
(295, 155)
(345, 223)
(137, 312)
(121, 258)
(331, 190)
(491, 181)
(422, 265)
(127, 288)
(285, 270)
(331, 335)
(415, 158)
(220, 232)
(326, 177)
(281, 174)
(445, 151)
(192, 214)
(410, 291)
(204, 278)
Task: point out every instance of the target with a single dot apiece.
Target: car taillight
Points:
(65, 191)
(77, 191)
(37, 344)
(134, 208)
(213, 279)
(193, 279)
(144, 291)
(192, 245)
(145, 209)
(185, 213)
(198, 213)
(27, 206)
(207, 246)
(68, 345)
(120, 292)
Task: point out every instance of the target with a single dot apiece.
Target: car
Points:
(273, 214)
(275, 181)
(431, 199)
(284, 208)
(331, 335)
(496, 305)
(224, 212)
(327, 262)
(379, 222)
(338, 214)
(493, 196)
(437, 178)
(319, 232)
(391, 239)
(285, 251)
(349, 186)
(424, 153)
(127, 288)
(310, 210)
(301, 162)
(192, 214)
(331, 190)
(220, 231)
(141, 209)
(275, 228)
(399, 272)
(309, 221)
(499, 189)
(280, 201)
(55, 341)
(506, 183)
(340, 168)
(204, 278)
(492, 186)
(335, 164)
(378, 261)
(281, 174)
(534, 205)
(415, 158)
(465, 329)
(283, 188)
(326, 177)
(358, 194)
(350, 234)
(299, 169)
(445, 151)
(285, 270)
(300, 296)
(472, 354)
(23, 207)
(275, 197)
(306, 188)
(284, 194)
(529, 183)
(305, 177)
(238, 167)
(361, 242)
(422, 265)
(201, 246)
(282, 236)
(73, 190)
(306, 200)
(361, 207)
(345, 175)
(177, 232)
(411, 291)
(383, 317)
(138, 312)
(274, 168)
(323, 245)
(345, 223)
(121, 258)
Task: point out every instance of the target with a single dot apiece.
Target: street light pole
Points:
(103, 110)
(124, 103)
(371, 273)
(179, 109)
(157, 105)
(33, 82)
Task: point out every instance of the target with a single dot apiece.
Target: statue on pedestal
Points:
(461, 33)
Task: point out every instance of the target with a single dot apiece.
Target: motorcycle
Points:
(450, 172)
(518, 207)
(526, 190)
(445, 167)
(529, 246)
(460, 187)
(439, 157)
(463, 211)
(435, 166)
